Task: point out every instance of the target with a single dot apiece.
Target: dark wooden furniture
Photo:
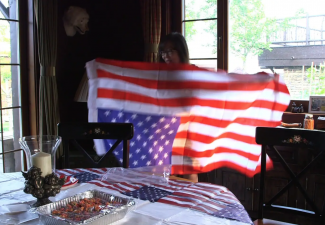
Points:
(71, 132)
(310, 141)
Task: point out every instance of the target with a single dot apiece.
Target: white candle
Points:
(42, 160)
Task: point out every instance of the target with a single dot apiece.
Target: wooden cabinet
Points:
(238, 184)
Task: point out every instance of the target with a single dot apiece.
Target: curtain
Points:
(151, 22)
(46, 21)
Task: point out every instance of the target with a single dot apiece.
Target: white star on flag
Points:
(148, 118)
(150, 150)
(148, 163)
(153, 125)
(132, 143)
(158, 131)
(165, 155)
(156, 156)
(139, 137)
(171, 132)
(144, 144)
(143, 157)
(150, 137)
(138, 150)
(107, 113)
(174, 120)
(162, 137)
(113, 120)
(120, 114)
(134, 116)
(161, 148)
(162, 119)
(166, 126)
(140, 124)
(135, 162)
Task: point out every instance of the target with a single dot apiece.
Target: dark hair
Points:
(179, 44)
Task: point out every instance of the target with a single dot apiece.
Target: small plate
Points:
(70, 181)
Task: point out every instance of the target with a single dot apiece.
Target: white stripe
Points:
(119, 185)
(217, 157)
(210, 194)
(89, 171)
(209, 112)
(211, 206)
(195, 195)
(63, 172)
(179, 202)
(222, 95)
(222, 142)
(215, 131)
(186, 200)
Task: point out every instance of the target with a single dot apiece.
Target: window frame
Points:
(26, 68)
(222, 26)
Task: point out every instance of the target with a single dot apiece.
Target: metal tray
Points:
(120, 207)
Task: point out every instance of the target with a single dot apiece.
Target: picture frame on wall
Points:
(316, 104)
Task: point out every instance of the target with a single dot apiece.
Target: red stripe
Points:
(185, 169)
(169, 202)
(201, 85)
(202, 207)
(208, 153)
(182, 102)
(101, 185)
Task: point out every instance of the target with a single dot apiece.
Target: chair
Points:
(71, 132)
(301, 140)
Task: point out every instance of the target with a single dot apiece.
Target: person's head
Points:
(173, 49)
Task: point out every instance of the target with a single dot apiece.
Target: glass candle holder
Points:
(37, 148)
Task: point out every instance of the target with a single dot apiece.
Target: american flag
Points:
(208, 198)
(195, 119)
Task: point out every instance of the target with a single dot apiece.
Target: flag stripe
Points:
(184, 102)
(214, 94)
(172, 84)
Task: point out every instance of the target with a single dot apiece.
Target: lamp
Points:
(82, 91)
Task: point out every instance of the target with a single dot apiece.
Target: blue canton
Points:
(153, 137)
(152, 194)
(85, 177)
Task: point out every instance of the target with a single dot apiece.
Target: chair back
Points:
(306, 160)
(73, 131)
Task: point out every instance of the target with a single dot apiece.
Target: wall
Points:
(115, 33)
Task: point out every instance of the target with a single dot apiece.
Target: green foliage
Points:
(250, 28)
(190, 14)
(316, 79)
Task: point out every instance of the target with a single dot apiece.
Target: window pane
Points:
(11, 121)
(9, 10)
(207, 64)
(292, 43)
(200, 9)
(10, 86)
(201, 37)
(1, 163)
(9, 42)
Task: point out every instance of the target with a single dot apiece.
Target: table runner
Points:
(212, 199)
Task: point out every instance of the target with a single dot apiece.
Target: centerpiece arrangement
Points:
(41, 180)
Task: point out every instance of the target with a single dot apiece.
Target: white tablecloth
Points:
(14, 205)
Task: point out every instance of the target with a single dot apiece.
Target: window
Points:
(283, 36)
(10, 105)
(200, 31)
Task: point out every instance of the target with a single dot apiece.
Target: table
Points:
(185, 202)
